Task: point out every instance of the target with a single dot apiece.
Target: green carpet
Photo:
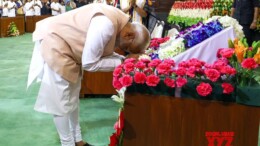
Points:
(20, 125)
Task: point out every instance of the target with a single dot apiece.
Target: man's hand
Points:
(253, 25)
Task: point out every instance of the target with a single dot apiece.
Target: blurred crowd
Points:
(11, 8)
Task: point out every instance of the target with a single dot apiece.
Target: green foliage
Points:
(183, 22)
(12, 30)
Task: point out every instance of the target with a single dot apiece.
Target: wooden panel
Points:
(168, 121)
(30, 26)
(97, 83)
(18, 20)
(32, 20)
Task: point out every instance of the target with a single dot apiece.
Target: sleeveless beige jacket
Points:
(63, 37)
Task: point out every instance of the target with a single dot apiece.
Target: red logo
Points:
(220, 138)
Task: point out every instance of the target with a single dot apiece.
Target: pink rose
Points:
(183, 64)
(139, 77)
(181, 71)
(132, 60)
(204, 89)
(126, 80)
(227, 88)
(117, 84)
(163, 68)
(195, 62)
(181, 81)
(128, 67)
(148, 71)
(169, 82)
(154, 63)
(169, 61)
(140, 65)
(145, 60)
(227, 53)
(152, 80)
(191, 72)
(212, 74)
(117, 71)
(229, 70)
(249, 63)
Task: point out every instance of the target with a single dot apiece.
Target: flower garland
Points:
(12, 30)
(227, 21)
(222, 8)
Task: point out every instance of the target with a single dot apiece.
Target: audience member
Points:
(70, 5)
(55, 7)
(63, 7)
(46, 9)
(37, 7)
(246, 13)
(28, 8)
(80, 3)
(11, 8)
(5, 8)
(134, 8)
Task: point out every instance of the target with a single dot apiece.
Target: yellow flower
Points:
(257, 57)
(240, 50)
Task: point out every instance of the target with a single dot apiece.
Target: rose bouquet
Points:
(245, 59)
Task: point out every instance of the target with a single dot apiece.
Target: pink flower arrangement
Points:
(243, 58)
(155, 42)
(116, 138)
(152, 72)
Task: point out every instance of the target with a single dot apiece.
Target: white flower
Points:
(227, 21)
(144, 57)
(191, 13)
(171, 49)
(120, 98)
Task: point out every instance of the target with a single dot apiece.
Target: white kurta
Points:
(58, 96)
(28, 8)
(5, 9)
(135, 16)
(11, 7)
(37, 8)
(55, 6)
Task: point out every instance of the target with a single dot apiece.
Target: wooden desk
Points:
(5, 21)
(152, 120)
(97, 83)
(32, 20)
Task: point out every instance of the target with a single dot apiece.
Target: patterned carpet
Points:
(20, 125)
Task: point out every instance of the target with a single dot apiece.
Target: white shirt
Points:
(62, 9)
(11, 6)
(5, 9)
(99, 33)
(37, 9)
(55, 6)
(28, 8)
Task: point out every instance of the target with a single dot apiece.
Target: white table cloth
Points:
(207, 50)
